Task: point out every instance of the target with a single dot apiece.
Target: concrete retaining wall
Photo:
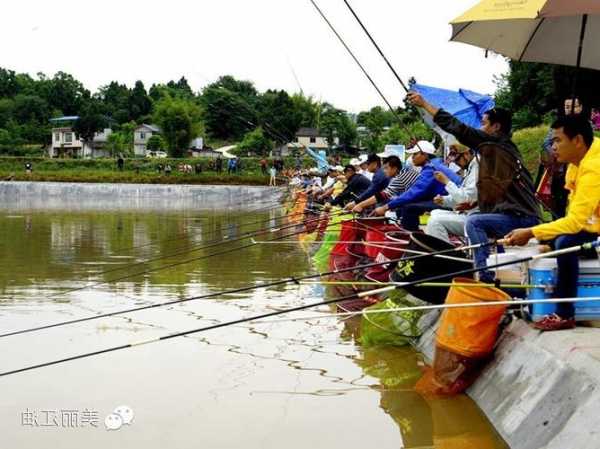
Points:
(541, 390)
(57, 195)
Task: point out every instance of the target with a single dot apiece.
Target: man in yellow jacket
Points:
(574, 143)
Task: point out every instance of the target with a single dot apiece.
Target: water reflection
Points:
(287, 385)
(77, 247)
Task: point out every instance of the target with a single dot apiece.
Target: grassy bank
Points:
(139, 171)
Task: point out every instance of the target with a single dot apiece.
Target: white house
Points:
(141, 135)
(306, 137)
(311, 137)
(66, 143)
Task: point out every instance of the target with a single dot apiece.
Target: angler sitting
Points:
(332, 185)
(380, 181)
(444, 223)
(574, 143)
(356, 185)
(419, 198)
(401, 180)
(506, 195)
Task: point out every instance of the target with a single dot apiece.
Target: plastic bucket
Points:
(377, 235)
(349, 233)
(542, 272)
(471, 331)
(417, 267)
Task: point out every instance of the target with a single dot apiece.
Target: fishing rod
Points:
(206, 245)
(429, 284)
(295, 280)
(429, 307)
(373, 245)
(261, 209)
(175, 264)
(376, 46)
(578, 248)
(362, 68)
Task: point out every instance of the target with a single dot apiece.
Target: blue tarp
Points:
(465, 105)
(320, 158)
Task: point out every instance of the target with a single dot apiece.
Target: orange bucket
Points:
(471, 331)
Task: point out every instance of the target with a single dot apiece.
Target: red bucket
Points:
(350, 232)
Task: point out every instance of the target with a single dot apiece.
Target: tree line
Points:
(226, 111)
(230, 111)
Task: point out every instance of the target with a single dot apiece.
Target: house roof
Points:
(308, 132)
(67, 118)
(152, 128)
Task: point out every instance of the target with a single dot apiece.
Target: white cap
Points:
(355, 161)
(424, 146)
(339, 168)
(363, 158)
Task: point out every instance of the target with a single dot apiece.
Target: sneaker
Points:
(554, 323)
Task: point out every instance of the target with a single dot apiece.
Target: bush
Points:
(529, 141)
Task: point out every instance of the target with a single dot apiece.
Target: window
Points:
(68, 137)
(313, 140)
(142, 136)
(57, 137)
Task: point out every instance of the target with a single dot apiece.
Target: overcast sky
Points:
(260, 40)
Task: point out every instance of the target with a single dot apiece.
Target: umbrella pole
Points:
(584, 21)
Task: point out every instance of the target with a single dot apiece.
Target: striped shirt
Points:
(398, 185)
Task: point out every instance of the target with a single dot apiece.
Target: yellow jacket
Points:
(583, 213)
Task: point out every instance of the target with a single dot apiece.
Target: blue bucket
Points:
(542, 272)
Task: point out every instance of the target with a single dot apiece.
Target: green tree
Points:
(337, 123)
(64, 93)
(140, 103)
(307, 109)
(180, 121)
(229, 108)
(90, 122)
(402, 135)
(256, 142)
(156, 143)
(279, 116)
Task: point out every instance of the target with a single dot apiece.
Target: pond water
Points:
(271, 385)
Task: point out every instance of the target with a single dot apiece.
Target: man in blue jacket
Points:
(419, 198)
(378, 184)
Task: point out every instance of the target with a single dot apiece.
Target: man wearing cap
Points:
(461, 199)
(419, 198)
(401, 179)
(332, 185)
(506, 194)
(363, 160)
(379, 182)
(355, 186)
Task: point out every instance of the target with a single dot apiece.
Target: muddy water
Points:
(272, 385)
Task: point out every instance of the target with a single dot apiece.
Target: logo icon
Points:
(122, 415)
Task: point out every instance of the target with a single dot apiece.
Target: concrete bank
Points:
(541, 389)
(57, 195)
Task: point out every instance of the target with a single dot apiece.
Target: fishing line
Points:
(376, 46)
(585, 246)
(168, 266)
(390, 107)
(295, 280)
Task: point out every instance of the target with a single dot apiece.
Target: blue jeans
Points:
(481, 228)
(568, 271)
(411, 213)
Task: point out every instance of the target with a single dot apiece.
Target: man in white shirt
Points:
(462, 200)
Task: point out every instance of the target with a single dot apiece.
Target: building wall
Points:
(319, 142)
(140, 140)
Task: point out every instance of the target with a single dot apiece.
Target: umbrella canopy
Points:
(563, 32)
